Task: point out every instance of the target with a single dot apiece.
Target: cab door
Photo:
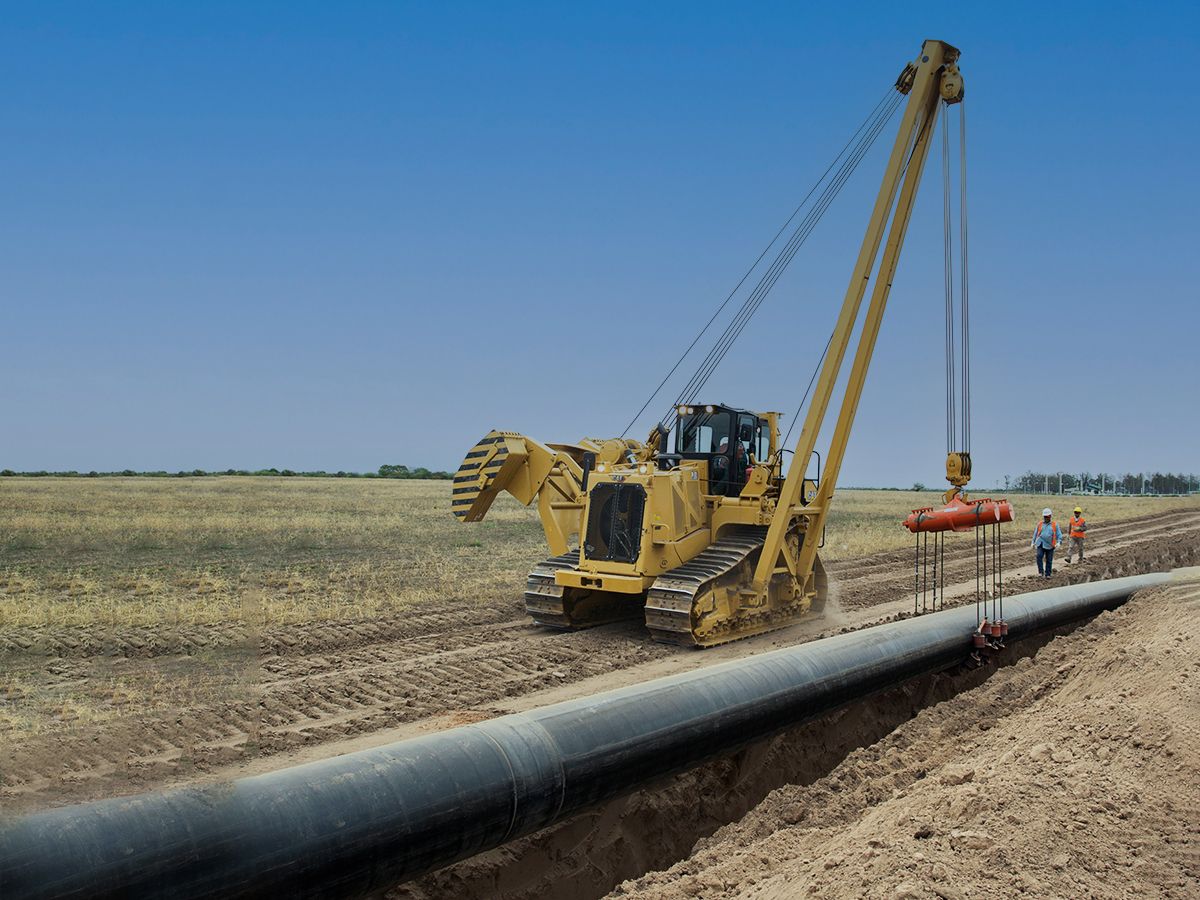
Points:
(745, 443)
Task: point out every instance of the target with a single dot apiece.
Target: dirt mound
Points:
(587, 855)
(1074, 773)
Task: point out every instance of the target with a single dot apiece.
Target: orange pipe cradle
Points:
(960, 515)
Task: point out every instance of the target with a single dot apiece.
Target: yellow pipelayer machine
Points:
(709, 538)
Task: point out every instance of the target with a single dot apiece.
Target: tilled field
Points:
(298, 692)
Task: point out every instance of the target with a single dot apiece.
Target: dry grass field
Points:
(263, 551)
(252, 550)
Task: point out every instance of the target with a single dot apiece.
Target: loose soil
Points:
(1074, 773)
(292, 693)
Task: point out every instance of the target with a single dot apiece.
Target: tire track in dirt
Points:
(308, 701)
(815, 781)
(275, 640)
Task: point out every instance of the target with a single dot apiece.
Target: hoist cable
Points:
(721, 349)
(948, 270)
(964, 296)
(708, 365)
(717, 353)
(766, 249)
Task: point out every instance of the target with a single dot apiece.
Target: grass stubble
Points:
(267, 551)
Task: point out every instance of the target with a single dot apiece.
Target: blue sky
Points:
(337, 235)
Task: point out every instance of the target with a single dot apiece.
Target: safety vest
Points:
(1037, 532)
(1077, 527)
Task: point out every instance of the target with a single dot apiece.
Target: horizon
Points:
(414, 474)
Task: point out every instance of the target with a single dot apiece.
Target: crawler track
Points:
(671, 602)
(549, 603)
(680, 600)
(544, 599)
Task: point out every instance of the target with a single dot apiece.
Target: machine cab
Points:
(729, 440)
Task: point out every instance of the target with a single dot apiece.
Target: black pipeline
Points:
(367, 820)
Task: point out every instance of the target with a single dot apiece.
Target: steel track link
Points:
(672, 597)
(545, 600)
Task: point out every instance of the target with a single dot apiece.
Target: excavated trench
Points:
(589, 855)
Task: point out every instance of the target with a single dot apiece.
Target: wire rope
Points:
(948, 270)
(874, 112)
(964, 296)
(717, 353)
(752, 303)
(829, 342)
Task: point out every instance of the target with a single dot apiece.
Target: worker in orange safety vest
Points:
(1046, 536)
(1076, 532)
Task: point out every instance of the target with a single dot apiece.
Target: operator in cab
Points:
(729, 479)
(720, 467)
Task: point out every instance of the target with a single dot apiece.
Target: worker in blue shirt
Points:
(1046, 535)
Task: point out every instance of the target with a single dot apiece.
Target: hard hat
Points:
(1079, 509)
(1046, 511)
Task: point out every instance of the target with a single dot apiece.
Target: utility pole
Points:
(1046, 485)
(1060, 484)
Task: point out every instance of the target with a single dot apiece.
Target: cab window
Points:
(703, 432)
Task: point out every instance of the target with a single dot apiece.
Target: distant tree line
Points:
(1104, 483)
(385, 471)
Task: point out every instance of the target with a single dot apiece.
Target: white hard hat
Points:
(1046, 511)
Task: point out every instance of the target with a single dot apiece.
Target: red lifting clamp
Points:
(960, 515)
(979, 639)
